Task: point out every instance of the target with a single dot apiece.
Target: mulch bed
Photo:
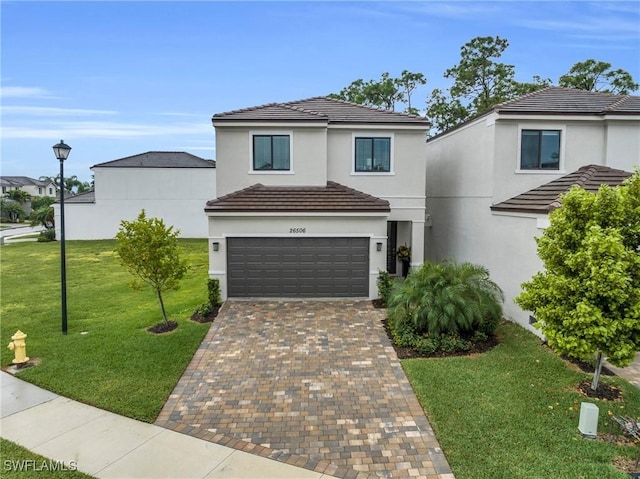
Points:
(198, 318)
(406, 352)
(605, 391)
(161, 328)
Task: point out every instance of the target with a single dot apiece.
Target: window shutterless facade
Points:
(271, 152)
(372, 154)
(540, 150)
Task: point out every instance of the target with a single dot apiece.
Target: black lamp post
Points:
(62, 153)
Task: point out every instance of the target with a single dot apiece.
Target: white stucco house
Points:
(314, 196)
(492, 181)
(35, 188)
(169, 185)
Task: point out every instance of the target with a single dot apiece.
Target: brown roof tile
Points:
(557, 100)
(322, 109)
(544, 199)
(331, 198)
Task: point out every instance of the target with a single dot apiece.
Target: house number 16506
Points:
(297, 230)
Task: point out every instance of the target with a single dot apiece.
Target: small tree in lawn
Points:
(587, 299)
(149, 250)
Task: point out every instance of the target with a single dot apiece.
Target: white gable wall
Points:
(177, 195)
(471, 168)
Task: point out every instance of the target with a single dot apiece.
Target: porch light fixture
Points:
(379, 246)
(62, 153)
(216, 246)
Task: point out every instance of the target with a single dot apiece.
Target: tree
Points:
(149, 250)
(586, 300)
(11, 210)
(479, 83)
(43, 216)
(18, 196)
(72, 184)
(384, 93)
(408, 83)
(594, 75)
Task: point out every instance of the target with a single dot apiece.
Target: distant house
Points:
(173, 186)
(314, 197)
(29, 185)
(492, 181)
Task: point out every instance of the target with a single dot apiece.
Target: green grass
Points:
(14, 457)
(513, 412)
(107, 359)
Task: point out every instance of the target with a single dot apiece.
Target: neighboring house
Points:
(168, 185)
(492, 180)
(314, 196)
(29, 185)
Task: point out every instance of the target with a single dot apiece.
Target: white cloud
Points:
(52, 111)
(103, 129)
(24, 92)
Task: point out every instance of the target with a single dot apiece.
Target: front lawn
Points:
(513, 412)
(107, 359)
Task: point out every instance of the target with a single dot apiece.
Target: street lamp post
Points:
(62, 153)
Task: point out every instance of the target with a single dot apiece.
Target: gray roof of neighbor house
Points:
(18, 181)
(319, 109)
(159, 159)
(334, 198)
(567, 101)
(86, 197)
(545, 198)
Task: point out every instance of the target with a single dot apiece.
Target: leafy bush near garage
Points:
(445, 307)
(385, 286)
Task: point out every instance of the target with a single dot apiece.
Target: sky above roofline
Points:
(118, 78)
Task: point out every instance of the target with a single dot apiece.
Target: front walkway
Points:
(315, 384)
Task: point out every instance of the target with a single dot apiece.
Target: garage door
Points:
(298, 267)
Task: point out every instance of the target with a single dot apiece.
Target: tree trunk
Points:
(164, 313)
(596, 374)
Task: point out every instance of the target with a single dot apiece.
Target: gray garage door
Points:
(298, 267)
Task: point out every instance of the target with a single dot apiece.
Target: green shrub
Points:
(385, 285)
(403, 334)
(204, 310)
(47, 235)
(213, 286)
(447, 298)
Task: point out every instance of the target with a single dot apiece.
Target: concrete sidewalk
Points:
(106, 445)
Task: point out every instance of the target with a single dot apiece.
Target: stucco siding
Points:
(222, 227)
(177, 195)
(233, 153)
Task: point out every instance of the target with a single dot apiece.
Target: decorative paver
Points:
(316, 384)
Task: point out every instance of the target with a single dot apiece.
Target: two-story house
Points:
(171, 185)
(32, 186)
(314, 197)
(492, 181)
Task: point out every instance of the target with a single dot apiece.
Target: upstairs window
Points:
(271, 153)
(373, 154)
(540, 150)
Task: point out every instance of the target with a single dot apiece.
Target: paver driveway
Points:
(311, 383)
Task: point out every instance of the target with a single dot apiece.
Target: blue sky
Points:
(117, 78)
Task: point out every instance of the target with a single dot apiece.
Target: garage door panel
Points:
(298, 267)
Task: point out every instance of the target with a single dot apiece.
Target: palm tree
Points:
(442, 298)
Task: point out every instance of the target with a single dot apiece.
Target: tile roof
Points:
(18, 181)
(331, 198)
(557, 100)
(545, 198)
(160, 159)
(86, 197)
(320, 109)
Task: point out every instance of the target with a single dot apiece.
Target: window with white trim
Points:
(540, 149)
(372, 154)
(271, 152)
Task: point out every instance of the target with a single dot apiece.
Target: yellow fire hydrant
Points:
(19, 346)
